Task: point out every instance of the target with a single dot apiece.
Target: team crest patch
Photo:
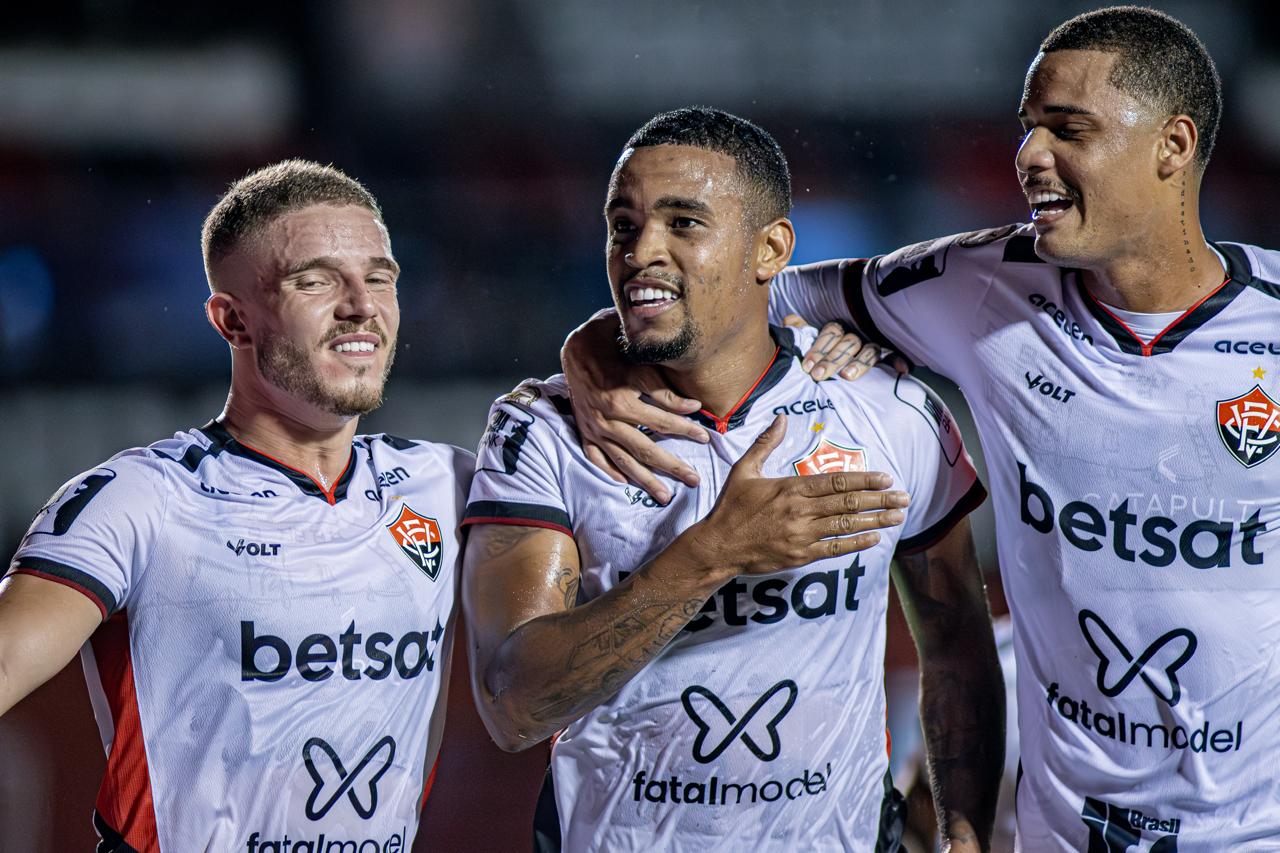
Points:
(419, 538)
(1250, 426)
(827, 457)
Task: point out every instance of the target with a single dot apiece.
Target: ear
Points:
(1177, 146)
(774, 245)
(223, 311)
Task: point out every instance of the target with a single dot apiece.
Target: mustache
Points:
(676, 281)
(349, 328)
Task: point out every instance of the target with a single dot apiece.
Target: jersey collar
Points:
(1239, 275)
(223, 441)
(778, 367)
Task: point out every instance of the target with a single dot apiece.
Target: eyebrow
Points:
(666, 202)
(1064, 109)
(328, 262)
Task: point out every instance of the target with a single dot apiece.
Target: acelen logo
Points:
(419, 539)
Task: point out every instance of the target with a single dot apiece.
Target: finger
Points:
(673, 402)
(753, 460)
(646, 453)
(870, 500)
(795, 321)
(818, 485)
(597, 458)
(637, 473)
(855, 370)
(868, 357)
(901, 365)
(840, 356)
(828, 337)
(843, 545)
(859, 522)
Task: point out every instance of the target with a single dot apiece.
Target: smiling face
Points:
(1088, 160)
(679, 253)
(316, 295)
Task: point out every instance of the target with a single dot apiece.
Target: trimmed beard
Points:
(661, 352)
(288, 367)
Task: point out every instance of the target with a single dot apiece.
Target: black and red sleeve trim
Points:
(78, 580)
(519, 514)
(856, 301)
(926, 539)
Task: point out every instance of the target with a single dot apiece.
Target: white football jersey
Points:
(762, 725)
(1137, 495)
(272, 650)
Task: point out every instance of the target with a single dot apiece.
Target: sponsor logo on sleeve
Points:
(1250, 426)
(419, 539)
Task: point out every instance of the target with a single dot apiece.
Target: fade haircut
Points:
(1159, 60)
(760, 162)
(259, 198)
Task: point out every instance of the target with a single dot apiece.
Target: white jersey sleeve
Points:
(923, 301)
(519, 462)
(97, 532)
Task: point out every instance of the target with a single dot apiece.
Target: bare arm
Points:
(961, 687)
(42, 626)
(539, 662)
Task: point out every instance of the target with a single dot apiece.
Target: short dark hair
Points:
(760, 161)
(1159, 60)
(260, 197)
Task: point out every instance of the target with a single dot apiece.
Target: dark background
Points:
(487, 129)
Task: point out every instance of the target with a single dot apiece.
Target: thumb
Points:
(752, 462)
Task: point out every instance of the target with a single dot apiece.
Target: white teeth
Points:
(355, 346)
(649, 294)
(1044, 197)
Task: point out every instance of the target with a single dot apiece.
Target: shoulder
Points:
(967, 252)
(389, 452)
(1254, 266)
(911, 415)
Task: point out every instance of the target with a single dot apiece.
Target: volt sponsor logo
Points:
(1047, 388)
(214, 490)
(255, 549)
(1061, 319)
(318, 657)
(1247, 347)
(332, 780)
(718, 727)
(1201, 544)
(1113, 829)
(1157, 664)
(803, 407)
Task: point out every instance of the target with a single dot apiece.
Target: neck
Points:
(320, 448)
(1170, 271)
(722, 375)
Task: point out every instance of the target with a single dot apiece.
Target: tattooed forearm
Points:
(555, 668)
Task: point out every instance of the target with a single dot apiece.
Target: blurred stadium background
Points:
(487, 128)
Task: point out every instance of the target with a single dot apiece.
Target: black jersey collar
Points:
(1239, 275)
(782, 357)
(224, 441)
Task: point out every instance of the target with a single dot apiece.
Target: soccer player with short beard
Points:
(711, 671)
(1122, 374)
(265, 603)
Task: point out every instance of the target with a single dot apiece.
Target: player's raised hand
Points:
(763, 524)
(838, 352)
(609, 403)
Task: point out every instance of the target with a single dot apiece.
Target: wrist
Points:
(701, 557)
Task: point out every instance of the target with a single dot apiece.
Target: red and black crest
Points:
(1250, 426)
(827, 457)
(419, 538)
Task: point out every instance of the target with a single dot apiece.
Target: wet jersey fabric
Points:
(272, 649)
(1136, 485)
(762, 725)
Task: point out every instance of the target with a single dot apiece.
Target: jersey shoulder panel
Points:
(98, 530)
(391, 452)
(1264, 264)
(967, 258)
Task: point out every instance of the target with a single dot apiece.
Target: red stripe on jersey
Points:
(722, 424)
(1148, 346)
(517, 522)
(124, 800)
(431, 780)
(328, 493)
(67, 583)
